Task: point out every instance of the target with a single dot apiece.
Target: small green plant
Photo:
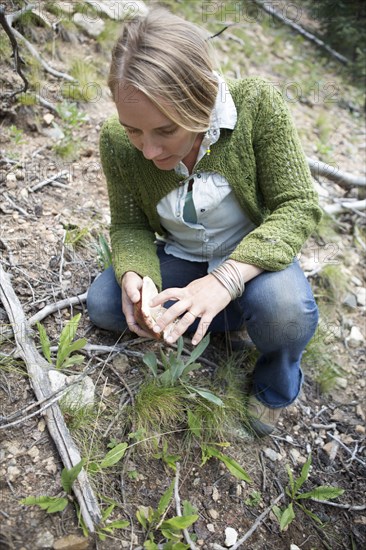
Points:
(177, 370)
(208, 451)
(154, 521)
(322, 492)
(68, 146)
(51, 505)
(104, 253)
(16, 135)
(75, 235)
(66, 346)
(110, 459)
(254, 499)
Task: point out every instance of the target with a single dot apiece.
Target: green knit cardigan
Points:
(262, 160)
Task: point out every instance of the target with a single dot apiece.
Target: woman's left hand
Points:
(204, 298)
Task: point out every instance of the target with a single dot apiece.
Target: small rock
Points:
(13, 472)
(215, 494)
(23, 194)
(360, 429)
(44, 539)
(92, 28)
(361, 296)
(297, 456)
(210, 527)
(331, 449)
(355, 338)
(50, 465)
(79, 395)
(33, 453)
(72, 542)
(356, 281)
(19, 174)
(11, 181)
(213, 513)
(48, 118)
(360, 412)
(271, 454)
(350, 300)
(341, 382)
(294, 547)
(41, 425)
(231, 536)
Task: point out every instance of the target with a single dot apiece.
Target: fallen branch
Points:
(349, 507)
(57, 306)
(38, 368)
(15, 206)
(266, 6)
(253, 528)
(62, 174)
(4, 22)
(343, 179)
(179, 509)
(343, 206)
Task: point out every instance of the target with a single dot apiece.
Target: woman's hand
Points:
(204, 298)
(131, 293)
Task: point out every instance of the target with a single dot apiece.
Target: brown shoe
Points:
(262, 419)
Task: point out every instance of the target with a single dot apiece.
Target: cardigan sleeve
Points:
(285, 184)
(132, 238)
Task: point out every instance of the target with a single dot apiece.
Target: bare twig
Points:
(270, 9)
(15, 206)
(343, 179)
(178, 507)
(349, 507)
(57, 306)
(59, 175)
(38, 374)
(343, 205)
(253, 528)
(347, 449)
(4, 22)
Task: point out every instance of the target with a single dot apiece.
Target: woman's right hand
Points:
(131, 294)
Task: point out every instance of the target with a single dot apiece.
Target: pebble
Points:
(360, 412)
(272, 455)
(213, 513)
(355, 337)
(360, 429)
(231, 536)
(297, 456)
(215, 494)
(294, 547)
(13, 472)
(361, 296)
(44, 539)
(210, 527)
(48, 118)
(331, 449)
(341, 383)
(33, 453)
(11, 181)
(72, 542)
(350, 300)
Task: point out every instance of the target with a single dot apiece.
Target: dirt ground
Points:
(43, 270)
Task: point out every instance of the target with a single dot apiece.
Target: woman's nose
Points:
(151, 150)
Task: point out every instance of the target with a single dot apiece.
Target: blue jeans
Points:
(277, 308)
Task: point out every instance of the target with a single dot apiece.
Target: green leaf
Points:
(323, 492)
(180, 344)
(277, 512)
(149, 545)
(303, 476)
(172, 535)
(66, 337)
(68, 476)
(291, 480)
(188, 508)
(198, 350)
(151, 362)
(50, 504)
(179, 522)
(287, 516)
(194, 423)
(45, 343)
(234, 468)
(119, 524)
(165, 499)
(144, 515)
(93, 468)
(208, 395)
(114, 455)
(70, 361)
(108, 512)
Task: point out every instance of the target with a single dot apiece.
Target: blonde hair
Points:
(169, 60)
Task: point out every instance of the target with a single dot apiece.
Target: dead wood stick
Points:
(4, 22)
(343, 179)
(15, 206)
(62, 174)
(343, 206)
(269, 9)
(38, 368)
(346, 448)
(349, 507)
(253, 528)
(178, 506)
(57, 306)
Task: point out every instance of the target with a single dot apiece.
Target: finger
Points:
(201, 331)
(166, 295)
(180, 327)
(170, 315)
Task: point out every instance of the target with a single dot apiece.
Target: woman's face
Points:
(151, 132)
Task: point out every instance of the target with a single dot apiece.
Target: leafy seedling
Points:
(322, 492)
(234, 467)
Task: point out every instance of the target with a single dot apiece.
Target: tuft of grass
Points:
(333, 281)
(78, 418)
(84, 89)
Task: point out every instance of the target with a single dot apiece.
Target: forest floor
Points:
(49, 246)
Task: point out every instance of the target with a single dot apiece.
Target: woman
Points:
(211, 196)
